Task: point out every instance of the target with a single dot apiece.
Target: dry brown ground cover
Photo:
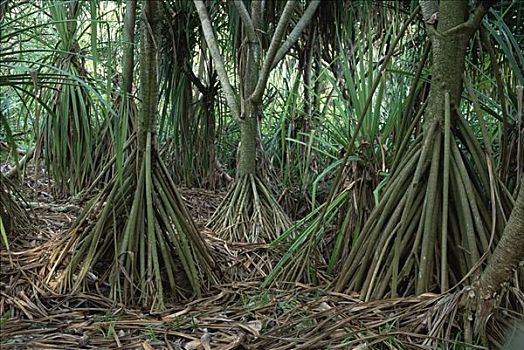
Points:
(237, 315)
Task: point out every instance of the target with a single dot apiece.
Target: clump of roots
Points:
(136, 237)
(249, 213)
(13, 216)
(443, 193)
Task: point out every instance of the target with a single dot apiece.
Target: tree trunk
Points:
(508, 254)
(481, 299)
(247, 163)
(148, 73)
(129, 45)
(252, 203)
(429, 203)
(449, 54)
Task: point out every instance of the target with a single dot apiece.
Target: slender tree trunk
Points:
(449, 54)
(247, 161)
(148, 73)
(129, 45)
(254, 207)
(310, 88)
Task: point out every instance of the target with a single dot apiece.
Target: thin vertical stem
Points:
(444, 283)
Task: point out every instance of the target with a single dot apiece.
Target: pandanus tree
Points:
(67, 133)
(187, 119)
(119, 125)
(138, 224)
(360, 95)
(249, 212)
(442, 192)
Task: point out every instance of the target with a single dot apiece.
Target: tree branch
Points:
(473, 22)
(193, 78)
(21, 164)
(209, 35)
(256, 13)
(429, 10)
(296, 32)
(273, 47)
(246, 19)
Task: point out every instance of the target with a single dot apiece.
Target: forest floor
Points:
(238, 315)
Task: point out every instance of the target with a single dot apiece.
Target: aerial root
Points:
(249, 213)
(443, 193)
(139, 227)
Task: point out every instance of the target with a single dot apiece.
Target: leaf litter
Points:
(235, 315)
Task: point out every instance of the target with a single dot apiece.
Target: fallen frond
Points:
(242, 315)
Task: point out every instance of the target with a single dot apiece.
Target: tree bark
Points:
(481, 299)
(247, 163)
(129, 45)
(449, 54)
(148, 73)
(508, 253)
